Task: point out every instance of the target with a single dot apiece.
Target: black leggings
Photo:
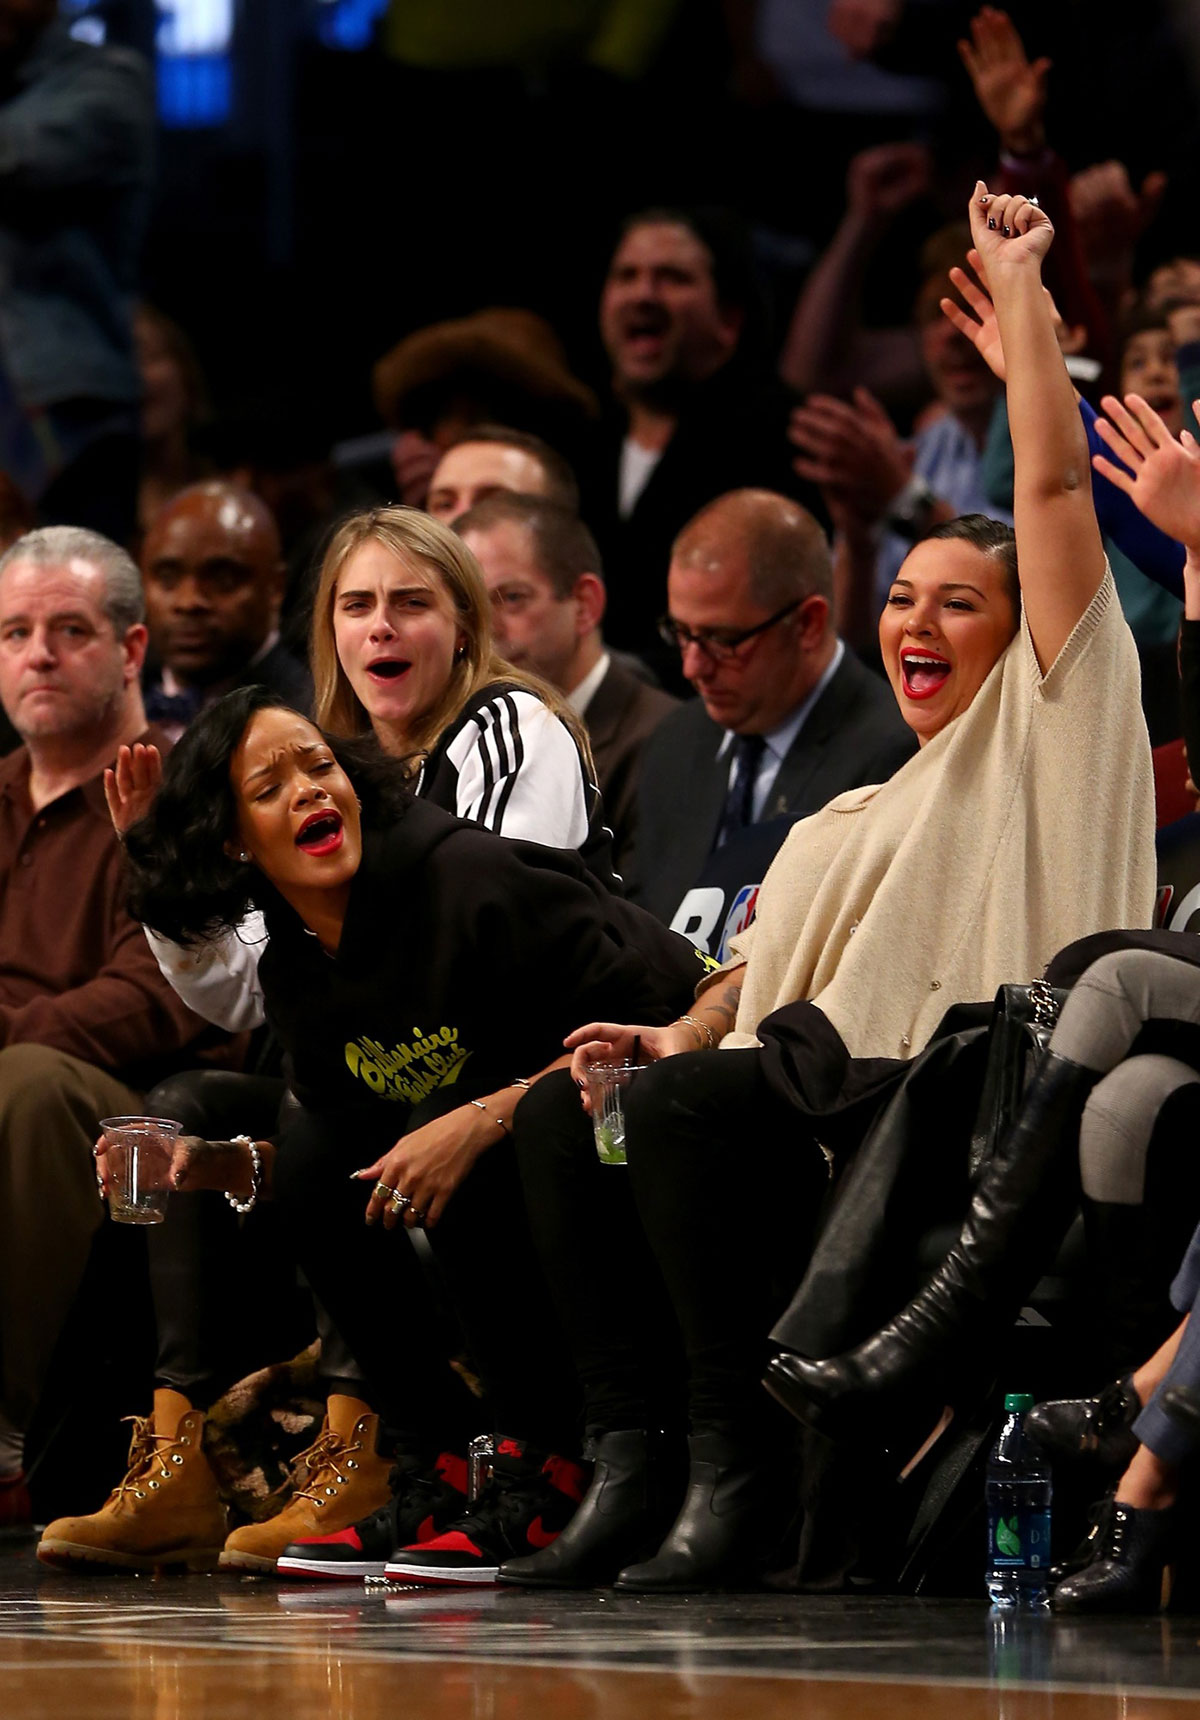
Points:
(224, 1290)
(718, 1204)
(379, 1297)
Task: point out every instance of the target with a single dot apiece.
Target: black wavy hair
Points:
(990, 537)
(181, 882)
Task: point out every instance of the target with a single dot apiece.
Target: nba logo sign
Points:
(738, 918)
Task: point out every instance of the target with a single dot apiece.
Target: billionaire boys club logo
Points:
(410, 1071)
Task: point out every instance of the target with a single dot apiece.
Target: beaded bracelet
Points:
(245, 1206)
(708, 1038)
(480, 1106)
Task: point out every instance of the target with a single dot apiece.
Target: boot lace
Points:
(150, 1458)
(328, 1457)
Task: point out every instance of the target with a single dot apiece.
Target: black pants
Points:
(380, 1299)
(718, 1204)
(224, 1289)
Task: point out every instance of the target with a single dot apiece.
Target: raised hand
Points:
(853, 452)
(1010, 88)
(1009, 232)
(881, 182)
(1111, 215)
(982, 329)
(130, 786)
(1163, 476)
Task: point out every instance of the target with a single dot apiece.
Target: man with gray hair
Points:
(87, 1021)
(786, 717)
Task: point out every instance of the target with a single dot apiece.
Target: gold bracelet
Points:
(480, 1106)
(705, 1034)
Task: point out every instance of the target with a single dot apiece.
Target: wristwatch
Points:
(910, 513)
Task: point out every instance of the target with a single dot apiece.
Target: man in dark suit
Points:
(214, 577)
(787, 717)
(695, 411)
(543, 572)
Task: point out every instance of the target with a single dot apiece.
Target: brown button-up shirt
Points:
(76, 972)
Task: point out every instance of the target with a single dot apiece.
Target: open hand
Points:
(982, 329)
(1110, 214)
(427, 1166)
(853, 451)
(863, 26)
(1010, 88)
(1163, 476)
(131, 785)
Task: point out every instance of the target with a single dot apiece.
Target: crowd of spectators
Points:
(578, 697)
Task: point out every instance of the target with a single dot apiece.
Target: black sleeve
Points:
(563, 942)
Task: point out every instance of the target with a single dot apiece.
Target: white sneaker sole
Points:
(348, 1570)
(442, 1576)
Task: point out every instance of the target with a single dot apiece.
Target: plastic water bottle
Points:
(1018, 1513)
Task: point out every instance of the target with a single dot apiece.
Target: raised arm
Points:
(1059, 553)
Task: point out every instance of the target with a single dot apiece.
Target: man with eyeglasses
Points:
(786, 716)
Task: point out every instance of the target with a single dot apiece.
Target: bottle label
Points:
(1021, 1541)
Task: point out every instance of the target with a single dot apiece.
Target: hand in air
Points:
(880, 182)
(982, 329)
(1163, 478)
(1009, 87)
(1008, 231)
(131, 785)
(608, 1042)
(853, 451)
(426, 1167)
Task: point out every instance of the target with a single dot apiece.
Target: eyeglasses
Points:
(720, 643)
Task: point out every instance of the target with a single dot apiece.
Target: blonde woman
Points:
(401, 647)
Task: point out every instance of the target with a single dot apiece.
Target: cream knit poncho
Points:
(1026, 823)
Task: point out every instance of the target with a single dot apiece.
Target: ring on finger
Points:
(418, 1217)
(400, 1202)
(384, 1189)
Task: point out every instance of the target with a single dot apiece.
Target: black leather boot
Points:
(1020, 1210)
(1098, 1429)
(619, 1518)
(717, 1540)
(1126, 1573)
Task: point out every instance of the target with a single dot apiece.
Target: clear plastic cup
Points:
(139, 1159)
(606, 1083)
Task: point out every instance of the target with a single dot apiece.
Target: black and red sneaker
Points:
(526, 1503)
(423, 1502)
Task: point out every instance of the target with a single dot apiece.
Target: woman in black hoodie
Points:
(419, 972)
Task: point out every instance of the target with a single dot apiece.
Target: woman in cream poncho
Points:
(969, 868)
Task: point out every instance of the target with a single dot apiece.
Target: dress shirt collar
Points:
(580, 697)
(781, 739)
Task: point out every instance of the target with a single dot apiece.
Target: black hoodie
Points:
(465, 958)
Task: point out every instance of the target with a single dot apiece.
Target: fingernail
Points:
(992, 222)
(1008, 232)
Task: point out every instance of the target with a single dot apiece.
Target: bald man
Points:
(786, 718)
(214, 576)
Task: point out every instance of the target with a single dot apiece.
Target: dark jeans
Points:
(380, 1299)
(224, 1288)
(718, 1204)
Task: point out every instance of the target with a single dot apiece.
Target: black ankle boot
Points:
(716, 1542)
(1098, 1429)
(619, 1518)
(1126, 1572)
(1019, 1213)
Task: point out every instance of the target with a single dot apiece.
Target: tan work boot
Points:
(345, 1479)
(165, 1512)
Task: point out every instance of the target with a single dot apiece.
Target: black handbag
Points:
(1023, 1018)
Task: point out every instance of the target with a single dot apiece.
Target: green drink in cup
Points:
(606, 1084)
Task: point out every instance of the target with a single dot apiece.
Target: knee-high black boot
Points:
(1019, 1212)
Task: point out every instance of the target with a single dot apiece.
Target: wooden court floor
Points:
(224, 1648)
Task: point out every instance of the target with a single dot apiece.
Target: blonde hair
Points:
(411, 535)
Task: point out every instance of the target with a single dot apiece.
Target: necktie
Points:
(738, 811)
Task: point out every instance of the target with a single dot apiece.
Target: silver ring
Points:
(384, 1189)
(400, 1202)
(1033, 202)
(418, 1218)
